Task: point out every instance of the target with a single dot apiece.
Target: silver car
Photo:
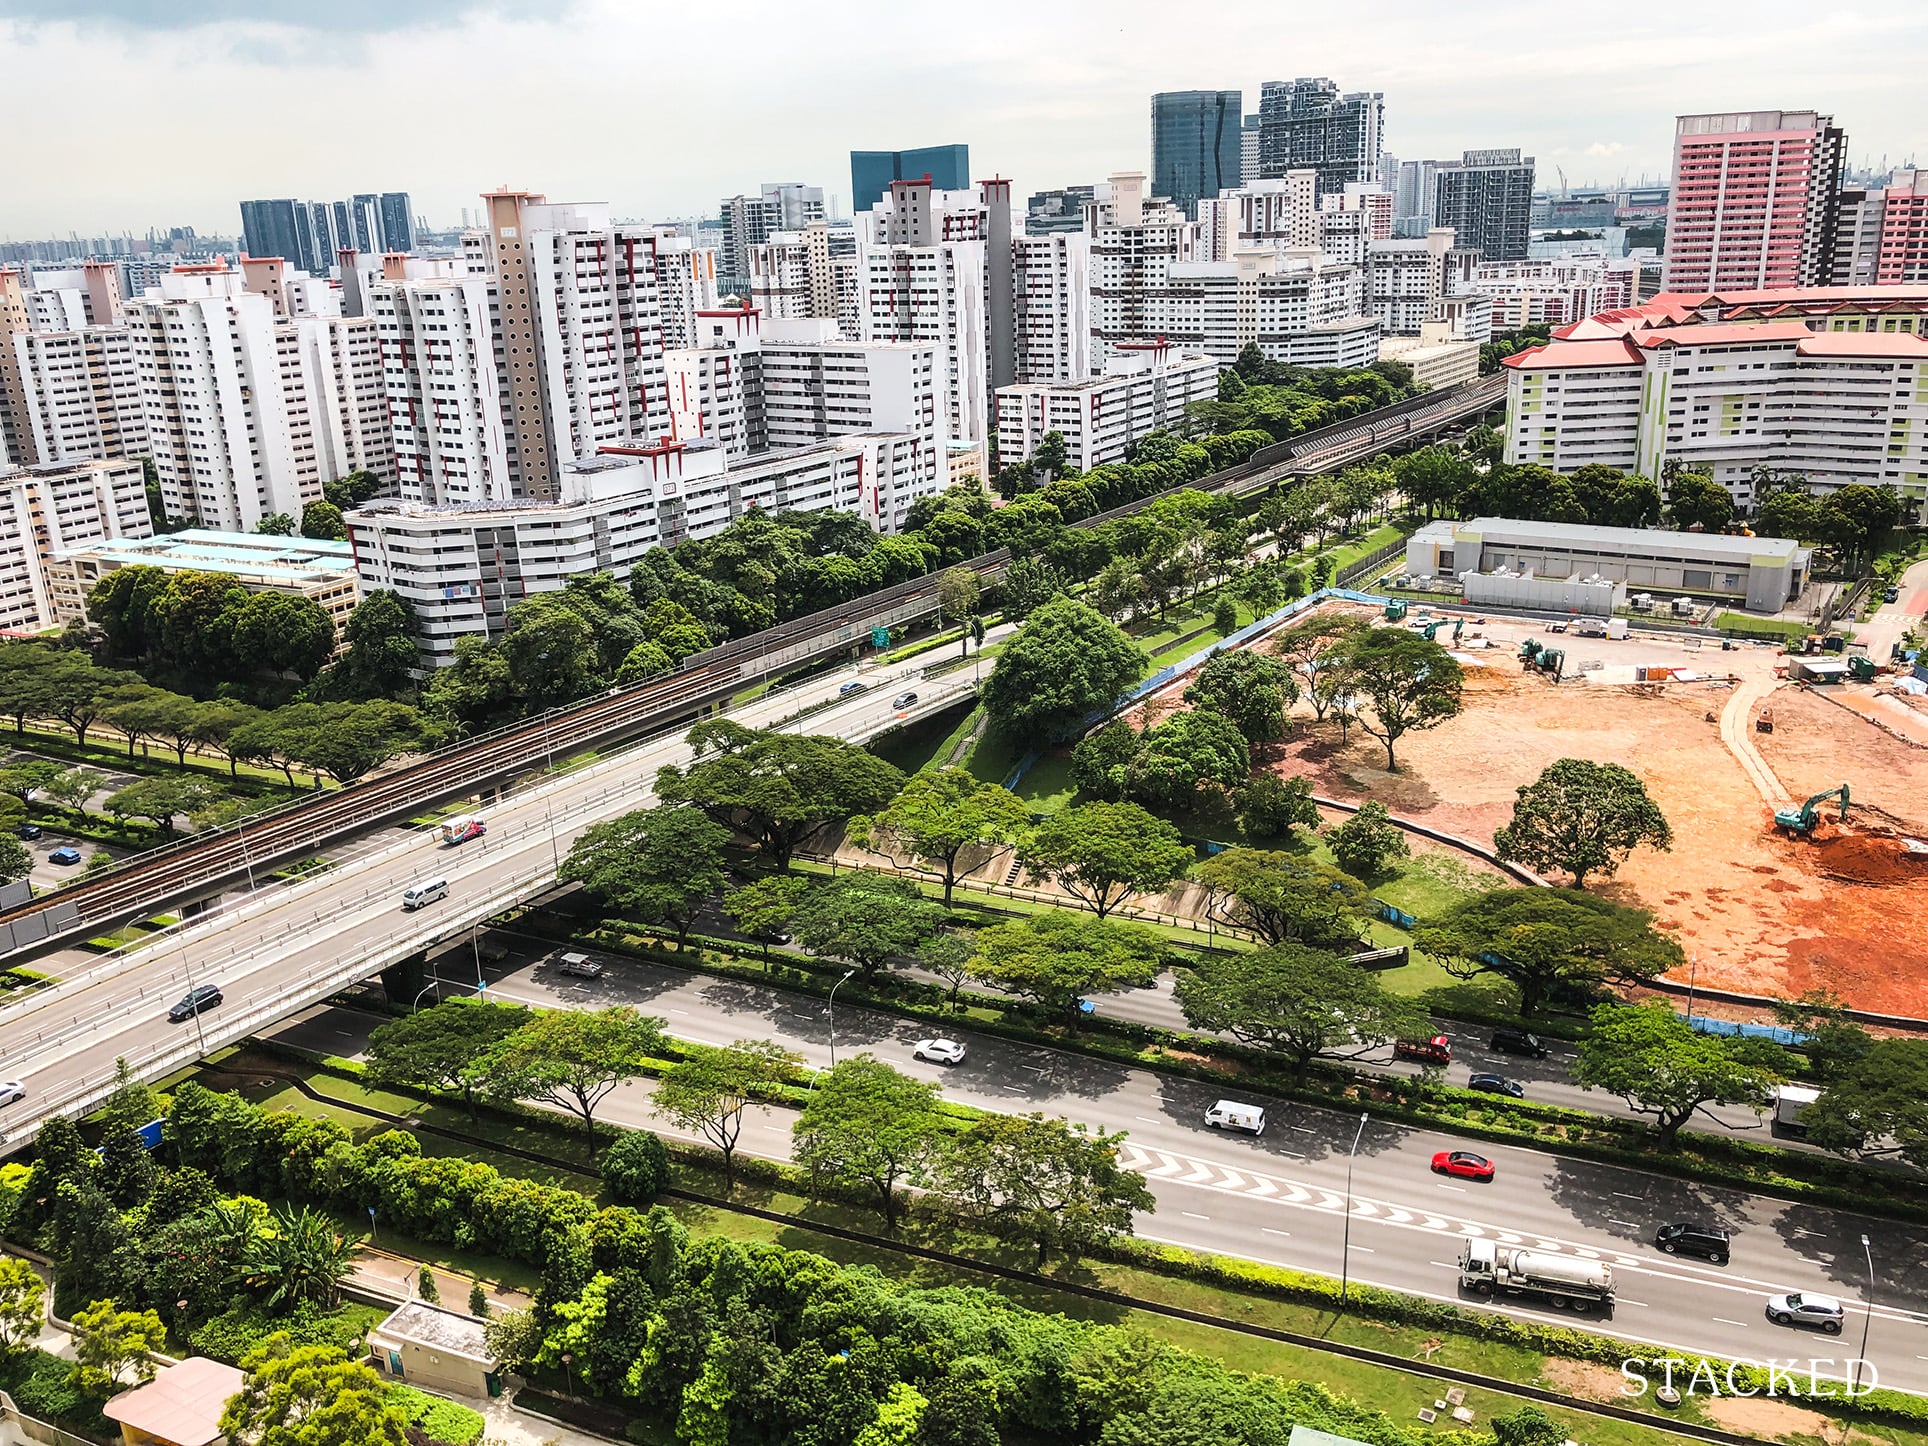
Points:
(938, 1051)
(1806, 1309)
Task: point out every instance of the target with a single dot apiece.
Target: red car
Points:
(1463, 1163)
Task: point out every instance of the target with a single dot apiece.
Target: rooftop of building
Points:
(1648, 540)
(1588, 348)
(420, 1323)
(202, 549)
(182, 1404)
(66, 469)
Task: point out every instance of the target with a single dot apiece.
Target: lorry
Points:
(1490, 1269)
(1437, 1050)
(1790, 1102)
(461, 830)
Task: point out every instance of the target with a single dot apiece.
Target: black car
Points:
(28, 831)
(1687, 1238)
(1496, 1084)
(904, 700)
(1518, 1041)
(200, 998)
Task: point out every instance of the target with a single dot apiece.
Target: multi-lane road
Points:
(1281, 1198)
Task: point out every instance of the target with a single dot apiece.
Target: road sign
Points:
(880, 637)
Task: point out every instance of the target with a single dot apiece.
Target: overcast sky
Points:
(121, 114)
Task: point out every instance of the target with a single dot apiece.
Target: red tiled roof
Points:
(1865, 343)
(1606, 352)
(1723, 334)
(181, 1405)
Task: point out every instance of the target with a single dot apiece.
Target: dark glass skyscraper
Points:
(1306, 124)
(1194, 144)
(871, 172)
(1488, 201)
(307, 234)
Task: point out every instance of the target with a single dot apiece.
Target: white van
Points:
(1231, 1115)
(425, 893)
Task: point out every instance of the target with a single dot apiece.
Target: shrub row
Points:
(1813, 1179)
(40, 1384)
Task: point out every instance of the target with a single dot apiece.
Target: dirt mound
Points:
(1858, 856)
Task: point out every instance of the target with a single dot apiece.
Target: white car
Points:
(938, 1051)
(1808, 1309)
(11, 1090)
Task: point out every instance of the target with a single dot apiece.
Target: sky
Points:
(126, 114)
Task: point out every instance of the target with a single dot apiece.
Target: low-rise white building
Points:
(1147, 386)
(1298, 308)
(48, 509)
(1554, 291)
(463, 568)
(1837, 407)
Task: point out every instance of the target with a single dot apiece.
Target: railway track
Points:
(154, 879)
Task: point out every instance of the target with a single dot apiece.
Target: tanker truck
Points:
(1559, 1280)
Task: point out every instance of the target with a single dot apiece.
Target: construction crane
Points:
(1804, 818)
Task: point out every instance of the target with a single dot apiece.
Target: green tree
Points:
(1100, 853)
(1055, 1184)
(1528, 1426)
(1251, 688)
(1299, 1001)
(1194, 750)
(866, 917)
(1058, 958)
(1857, 517)
(445, 1047)
(1100, 759)
(426, 1286)
(1028, 584)
(573, 1059)
(1542, 939)
(1066, 662)
(196, 613)
(346, 741)
(276, 524)
(656, 865)
(948, 956)
(300, 1256)
(473, 691)
(1876, 1104)
(1695, 499)
(1367, 841)
(72, 788)
(1833, 1042)
(1270, 807)
(110, 1342)
(957, 598)
(1668, 1070)
(1433, 477)
(123, 606)
(282, 633)
(380, 656)
(323, 522)
(313, 1395)
(1284, 897)
(777, 787)
(867, 1126)
(160, 797)
(15, 861)
(23, 1300)
(1408, 682)
(1798, 515)
(635, 1168)
(76, 693)
(942, 818)
(1311, 647)
(551, 652)
(1583, 818)
(155, 713)
(25, 777)
(763, 908)
(708, 1092)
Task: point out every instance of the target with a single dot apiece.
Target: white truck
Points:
(1790, 1103)
(1489, 1269)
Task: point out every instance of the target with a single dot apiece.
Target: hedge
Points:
(39, 1383)
(1704, 1158)
(444, 1423)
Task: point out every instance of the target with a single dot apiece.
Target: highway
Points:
(1281, 1198)
(287, 946)
(197, 867)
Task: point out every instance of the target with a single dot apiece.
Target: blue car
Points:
(64, 856)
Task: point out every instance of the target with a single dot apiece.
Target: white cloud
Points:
(132, 119)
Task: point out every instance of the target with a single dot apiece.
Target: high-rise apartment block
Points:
(947, 168)
(1755, 200)
(1487, 199)
(1306, 124)
(1136, 239)
(47, 510)
(810, 273)
(1195, 140)
(1051, 298)
(1059, 210)
(308, 234)
(82, 394)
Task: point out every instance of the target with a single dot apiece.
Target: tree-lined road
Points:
(1281, 1198)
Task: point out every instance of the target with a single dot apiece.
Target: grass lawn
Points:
(1747, 623)
(1379, 537)
(928, 742)
(1047, 785)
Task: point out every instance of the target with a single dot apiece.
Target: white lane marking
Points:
(1623, 1195)
(1443, 1264)
(1725, 1321)
(1365, 1250)
(1145, 1119)
(1630, 1224)
(1622, 1300)
(1456, 1189)
(1193, 1215)
(1287, 1233)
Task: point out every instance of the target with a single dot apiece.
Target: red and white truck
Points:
(461, 830)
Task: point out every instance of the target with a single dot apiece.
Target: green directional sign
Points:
(880, 637)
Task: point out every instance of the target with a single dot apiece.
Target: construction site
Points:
(1799, 811)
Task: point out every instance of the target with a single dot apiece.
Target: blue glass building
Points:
(1195, 144)
(871, 172)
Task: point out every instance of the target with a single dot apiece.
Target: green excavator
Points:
(1804, 818)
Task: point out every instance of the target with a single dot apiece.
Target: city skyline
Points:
(1047, 100)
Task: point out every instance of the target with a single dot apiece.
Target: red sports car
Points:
(1463, 1163)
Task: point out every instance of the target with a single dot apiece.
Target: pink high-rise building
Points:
(1754, 199)
(1901, 255)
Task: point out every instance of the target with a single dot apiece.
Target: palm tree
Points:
(301, 1256)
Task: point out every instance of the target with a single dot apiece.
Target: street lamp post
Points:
(1693, 972)
(833, 1015)
(549, 770)
(436, 985)
(1867, 1316)
(1345, 1249)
